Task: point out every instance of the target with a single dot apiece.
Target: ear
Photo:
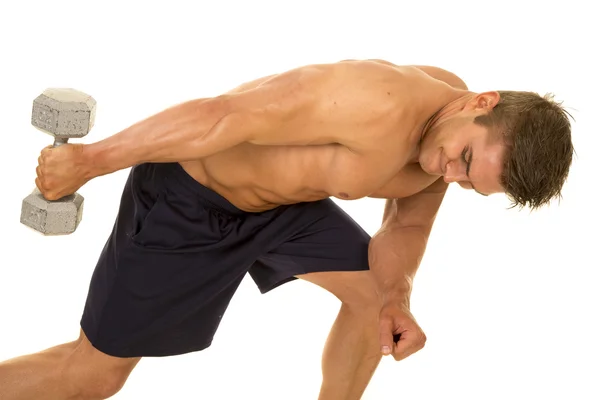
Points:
(485, 101)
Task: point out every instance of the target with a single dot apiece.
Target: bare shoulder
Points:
(380, 70)
(349, 85)
(306, 80)
(443, 75)
(351, 72)
(326, 103)
(434, 72)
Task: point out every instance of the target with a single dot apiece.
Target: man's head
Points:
(514, 142)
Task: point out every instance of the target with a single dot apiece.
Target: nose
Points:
(454, 172)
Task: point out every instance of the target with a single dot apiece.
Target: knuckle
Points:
(421, 341)
(48, 188)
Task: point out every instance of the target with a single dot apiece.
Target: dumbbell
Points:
(63, 113)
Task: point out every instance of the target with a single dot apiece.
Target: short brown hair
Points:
(537, 133)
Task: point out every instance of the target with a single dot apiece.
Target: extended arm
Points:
(291, 108)
(189, 130)
(397, 248)
(202, 127)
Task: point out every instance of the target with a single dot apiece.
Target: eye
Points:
(464, 154)
(464, 157)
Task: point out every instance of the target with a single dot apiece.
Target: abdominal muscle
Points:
(259, 178)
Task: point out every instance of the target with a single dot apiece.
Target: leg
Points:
(73, 370)
(351, 352)
(147, 296)
(330, 250)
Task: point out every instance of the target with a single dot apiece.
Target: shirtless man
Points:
(241, 183)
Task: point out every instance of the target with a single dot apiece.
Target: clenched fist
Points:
(61, 171)
(400, 335)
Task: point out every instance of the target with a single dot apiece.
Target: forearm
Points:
(395, 254)
(180, 133)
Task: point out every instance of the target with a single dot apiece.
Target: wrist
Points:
(106, 157)
(396, 298)
(95, 160)
(399, 292)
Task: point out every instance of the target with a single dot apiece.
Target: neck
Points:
(455, 105)
(445, 104)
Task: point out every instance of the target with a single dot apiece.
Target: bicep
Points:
(418, 210)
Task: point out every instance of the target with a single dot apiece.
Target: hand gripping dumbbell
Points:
(64, 114)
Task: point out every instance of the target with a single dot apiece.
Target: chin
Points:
(427, 167)
(429, 164)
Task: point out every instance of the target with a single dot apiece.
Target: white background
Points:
(508, 299)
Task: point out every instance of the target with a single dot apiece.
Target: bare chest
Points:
(291, 172)
(378, 176)
(284, 171)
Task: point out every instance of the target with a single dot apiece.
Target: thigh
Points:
(149, 299)
(167, 273)
(328, 241)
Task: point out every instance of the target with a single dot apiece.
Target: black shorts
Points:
(178, 252)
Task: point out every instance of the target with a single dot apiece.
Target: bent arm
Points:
(396, 250)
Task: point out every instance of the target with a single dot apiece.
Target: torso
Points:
(256, 178)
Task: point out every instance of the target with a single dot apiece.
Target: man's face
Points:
(461, 151)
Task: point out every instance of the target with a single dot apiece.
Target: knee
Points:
(362, 297)
(88, 384)
(92, 375)
(101, 385)
(357, 290)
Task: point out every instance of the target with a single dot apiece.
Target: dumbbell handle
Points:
(60, 141)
